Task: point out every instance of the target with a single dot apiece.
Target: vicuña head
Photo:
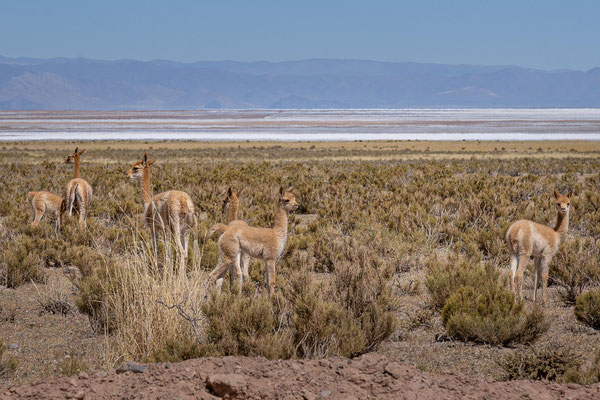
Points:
(287, 200)
(71, 157)
(137, 169)
(563, 202)
(527, 239)
(231, 199)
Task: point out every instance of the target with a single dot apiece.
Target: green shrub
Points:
(587, 308)
(246, 325)
(575, 268)
(550, 363)
(92, 297)
(442, 279)
(21, 261)
(491, 316)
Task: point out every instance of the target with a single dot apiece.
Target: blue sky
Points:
(545, 34)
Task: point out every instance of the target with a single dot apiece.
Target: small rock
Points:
(325, 394)
(83, 375)
(79, 395)
(12, 346)
(393, 370)
(226, 384)
(131, 367)
(73, 382)
(442, 337)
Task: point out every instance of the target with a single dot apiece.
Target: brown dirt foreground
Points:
(371, 376)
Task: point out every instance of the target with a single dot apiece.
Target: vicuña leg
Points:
(39, 213)
(519, 276)
(513, 270)
(544, 263)
(536, 276)
(270, 276)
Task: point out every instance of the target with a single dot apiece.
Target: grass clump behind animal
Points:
(587, 308)
(7, 364)
(490, 315)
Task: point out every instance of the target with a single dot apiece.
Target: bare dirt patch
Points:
(371, 376)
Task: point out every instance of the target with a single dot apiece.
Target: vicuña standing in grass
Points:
(231, 204)
(78, 192)
(263, 243)
(173, 210)
(527, 238)
(45, 201)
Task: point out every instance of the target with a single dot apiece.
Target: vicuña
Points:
(173, 210)
(263, 243)
(78, 194)
(527, 238)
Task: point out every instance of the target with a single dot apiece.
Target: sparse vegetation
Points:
(490, 315)
(587, 308)
(393, 234)
(549, 363)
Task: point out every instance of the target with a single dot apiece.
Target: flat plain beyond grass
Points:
(388, 204)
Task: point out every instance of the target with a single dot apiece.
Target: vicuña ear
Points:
(81, 152)
(151, 161)
(290, 189)
(229, 192)
(76, 148)
(239, 192)
(281, 190)
(556, 194)
(570, 193)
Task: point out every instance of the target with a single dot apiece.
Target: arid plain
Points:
(380, 228)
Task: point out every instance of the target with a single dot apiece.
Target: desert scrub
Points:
(443, 278)
(575, 268)
(587, 308)
(20, 262)
(550, 363)
(490, 315)
(247, 325)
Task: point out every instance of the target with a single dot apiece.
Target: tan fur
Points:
(45, 201)
(263, 243)
(231, 204)
(526, 238)
(78, 193)
(173, 210)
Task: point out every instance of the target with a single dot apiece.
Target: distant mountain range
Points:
(80, 84)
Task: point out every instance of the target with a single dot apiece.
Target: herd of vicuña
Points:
(172, 213)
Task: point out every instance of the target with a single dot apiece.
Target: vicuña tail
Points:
(72, 197)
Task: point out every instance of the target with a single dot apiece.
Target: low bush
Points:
(550, 363)
(491, 316)
(21, 262)
(575, 269)
(443, 278)
(587, 308)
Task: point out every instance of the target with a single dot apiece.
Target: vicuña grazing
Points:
(78, 193)
(231, 203)
(173, 209)
(526, 238)
(263, 243)
(45, 201)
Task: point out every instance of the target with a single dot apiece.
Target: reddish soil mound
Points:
(370, 376)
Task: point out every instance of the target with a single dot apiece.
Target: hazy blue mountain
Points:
(64, 83)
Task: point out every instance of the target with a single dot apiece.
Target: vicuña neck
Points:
(562, 223)
(146, 197)
(233, 209)
(281, 221)
(77, 166)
